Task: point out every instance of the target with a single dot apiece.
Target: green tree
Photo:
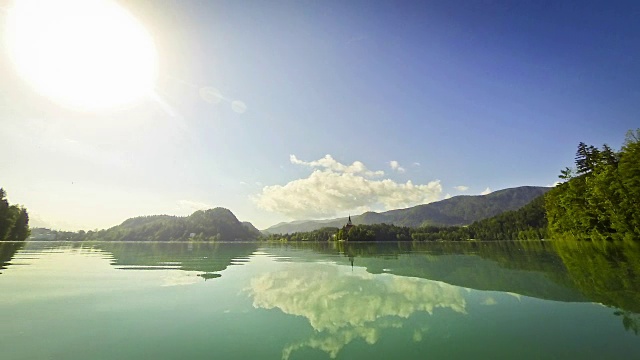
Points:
(599, 200)
(14, 220)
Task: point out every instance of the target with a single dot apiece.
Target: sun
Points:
(83, 54)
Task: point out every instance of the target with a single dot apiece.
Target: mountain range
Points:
(456, 211)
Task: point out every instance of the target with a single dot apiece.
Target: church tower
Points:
(349, 225)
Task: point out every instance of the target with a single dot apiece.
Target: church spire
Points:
(346, 228)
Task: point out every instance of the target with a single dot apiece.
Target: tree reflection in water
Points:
(7, 250)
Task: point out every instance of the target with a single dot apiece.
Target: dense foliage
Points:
(14, 220)
(599, 198)
(527, 223)
(324, 234)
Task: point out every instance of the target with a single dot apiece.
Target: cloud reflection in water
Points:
(343, 306)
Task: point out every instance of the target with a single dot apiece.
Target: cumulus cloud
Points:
(461, 188)
(329, 163)
(486, 191)
(334, 188)
(342, 306)
(396, 166)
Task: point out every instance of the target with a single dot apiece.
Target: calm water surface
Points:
(504, 300)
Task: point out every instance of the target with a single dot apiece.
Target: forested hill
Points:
(459, 210)
(217, 224)
(213, 224)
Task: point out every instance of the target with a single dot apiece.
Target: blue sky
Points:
(252, 95)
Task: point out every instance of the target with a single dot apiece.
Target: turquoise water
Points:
(316, 301)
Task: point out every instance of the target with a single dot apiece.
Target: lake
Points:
(489, 300)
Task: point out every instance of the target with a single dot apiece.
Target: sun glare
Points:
(83, 54)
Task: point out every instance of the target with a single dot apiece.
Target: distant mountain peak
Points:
(203, 225)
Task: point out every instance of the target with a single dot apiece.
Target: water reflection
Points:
(343, 306)
(208, 259)
(605, 273)
(7, 251)
(351, 291)
(526, 268)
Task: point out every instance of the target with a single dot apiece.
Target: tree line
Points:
(14, 220)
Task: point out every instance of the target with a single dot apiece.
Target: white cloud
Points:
(338, 188)
(447, 196)
(416, 164)
(329, 163)
(461, 188)
(486, 191)
(36, 220)
(396, 166)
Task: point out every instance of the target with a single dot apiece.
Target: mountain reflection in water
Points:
(570, 271)
(338, 299)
